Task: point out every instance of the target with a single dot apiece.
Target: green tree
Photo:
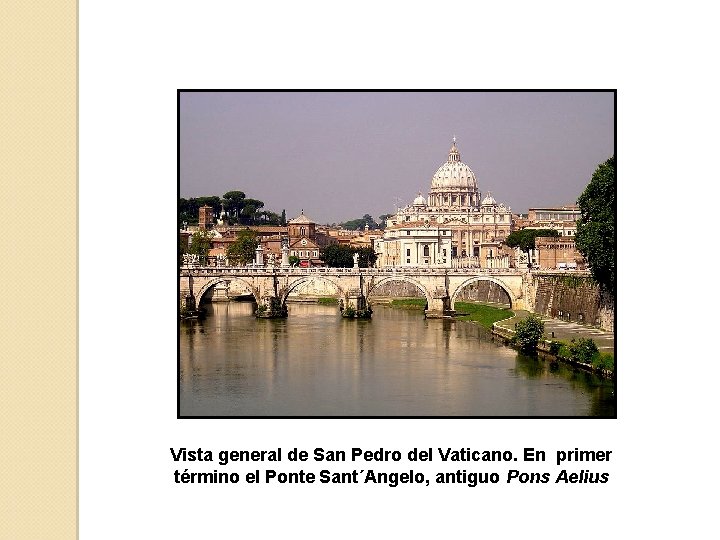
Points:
(200, 243)
(370, 222)
(382, 220)
(337, 256)
(294, 260)
(213, 201)
(595, 237)
(341, 256)
(283, 218)
(583, 350)
(528, 333)
(367, 257)
(353, 224)
(266, 217)
(188, 209)
(360, 223)
(249, 213)
(187, 212)
(242, 250)
(234, 202)
(525, 239)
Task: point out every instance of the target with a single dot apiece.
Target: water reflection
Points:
(315, 363)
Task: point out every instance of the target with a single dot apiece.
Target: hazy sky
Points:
(339, 155)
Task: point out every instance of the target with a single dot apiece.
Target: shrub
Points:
(583, 350)
(555, 347)
(604, 361)
(528, 332)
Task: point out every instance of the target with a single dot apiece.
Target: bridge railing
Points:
(416, 270)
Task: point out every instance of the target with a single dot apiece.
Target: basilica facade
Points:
(454, 226)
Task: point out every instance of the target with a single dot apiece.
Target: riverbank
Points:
(558, 338)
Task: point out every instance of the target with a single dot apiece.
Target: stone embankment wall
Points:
(571, 298)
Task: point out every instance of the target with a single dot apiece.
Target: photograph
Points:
(396, 254)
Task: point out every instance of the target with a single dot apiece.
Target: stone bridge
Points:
(271, 286)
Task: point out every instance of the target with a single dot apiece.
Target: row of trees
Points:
(239, 209)
(367, 219)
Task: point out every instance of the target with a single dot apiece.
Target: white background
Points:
(134, 55)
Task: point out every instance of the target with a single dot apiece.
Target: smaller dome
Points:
(301, 219)
(488, 200)
(419, 200)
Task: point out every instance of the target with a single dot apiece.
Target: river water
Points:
(314, 363)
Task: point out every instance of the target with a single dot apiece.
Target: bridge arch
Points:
(406, 279)
(475, 279)
(214, 281)
(305, 279)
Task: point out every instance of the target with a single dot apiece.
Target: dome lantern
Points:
(454, 155)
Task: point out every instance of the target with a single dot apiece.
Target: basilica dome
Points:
(454, 174)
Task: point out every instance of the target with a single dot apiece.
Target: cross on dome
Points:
(454, 155)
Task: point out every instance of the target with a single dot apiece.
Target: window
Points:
(407, 253)
(426, 251)
(407, 233)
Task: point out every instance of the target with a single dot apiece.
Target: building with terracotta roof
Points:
(303, 240)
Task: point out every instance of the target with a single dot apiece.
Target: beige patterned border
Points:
(38, 269)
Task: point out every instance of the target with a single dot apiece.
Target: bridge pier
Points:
(272, 304)
(356, 306)
(439, 308)
(271, 307)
